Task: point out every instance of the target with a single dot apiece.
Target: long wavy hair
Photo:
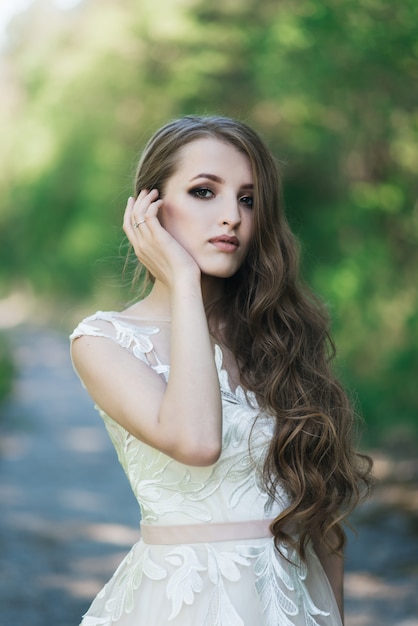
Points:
(278, 332)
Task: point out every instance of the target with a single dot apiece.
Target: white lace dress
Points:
(244, 582)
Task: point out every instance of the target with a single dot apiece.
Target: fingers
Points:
(127, 218)
(140, 211)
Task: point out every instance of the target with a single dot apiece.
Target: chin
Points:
(219, 270)
(227, 273)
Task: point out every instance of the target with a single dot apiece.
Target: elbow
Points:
(197, 454)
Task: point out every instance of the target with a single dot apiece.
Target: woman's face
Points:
(208, 205)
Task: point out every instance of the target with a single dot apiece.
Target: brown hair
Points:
(278, 332)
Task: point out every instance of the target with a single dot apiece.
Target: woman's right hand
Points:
(183, 416)
(154, 247)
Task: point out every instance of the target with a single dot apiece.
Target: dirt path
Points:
(68, 516)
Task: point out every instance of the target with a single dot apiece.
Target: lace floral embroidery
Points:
(274, 582)
(283, 594)
(187, 579)
(125, 581)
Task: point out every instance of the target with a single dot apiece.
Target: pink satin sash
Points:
(205, 532)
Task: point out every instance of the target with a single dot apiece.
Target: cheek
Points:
(164, 216)
(248, 228)
(175, 222)
(168, 218)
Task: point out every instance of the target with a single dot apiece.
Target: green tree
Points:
(332, 85)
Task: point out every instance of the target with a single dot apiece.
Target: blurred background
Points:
(331, 85)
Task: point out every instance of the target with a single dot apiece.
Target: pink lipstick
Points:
(224, 243)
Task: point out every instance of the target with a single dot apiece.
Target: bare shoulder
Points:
(125, 387)
(85, 347)
(95, 359)
(105, 356)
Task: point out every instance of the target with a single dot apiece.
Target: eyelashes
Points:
(247, 200)
(205, 193)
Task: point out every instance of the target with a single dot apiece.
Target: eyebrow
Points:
(218, 179)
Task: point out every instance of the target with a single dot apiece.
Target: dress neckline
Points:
(235, 390)
(155, 320)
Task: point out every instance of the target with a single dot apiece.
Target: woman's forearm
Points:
(191, 405)
(334, 569)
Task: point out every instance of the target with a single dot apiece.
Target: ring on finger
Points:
(136, 224)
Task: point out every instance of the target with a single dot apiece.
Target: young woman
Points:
(217, 393)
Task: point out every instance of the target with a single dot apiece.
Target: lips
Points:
(225, 242)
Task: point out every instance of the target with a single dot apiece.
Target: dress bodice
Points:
(170, 492)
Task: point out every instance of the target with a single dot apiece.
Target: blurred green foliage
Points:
(331, 84)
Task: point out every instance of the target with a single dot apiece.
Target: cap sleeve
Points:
(136, 339)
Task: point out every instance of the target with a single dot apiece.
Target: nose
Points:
(230, 214)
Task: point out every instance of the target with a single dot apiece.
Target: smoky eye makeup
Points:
(202, 192)
(247, 200)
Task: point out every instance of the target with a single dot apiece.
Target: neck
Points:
(212, 289)
(158, 301)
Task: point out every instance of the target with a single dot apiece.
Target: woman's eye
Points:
(202, 192)
(248, 200)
